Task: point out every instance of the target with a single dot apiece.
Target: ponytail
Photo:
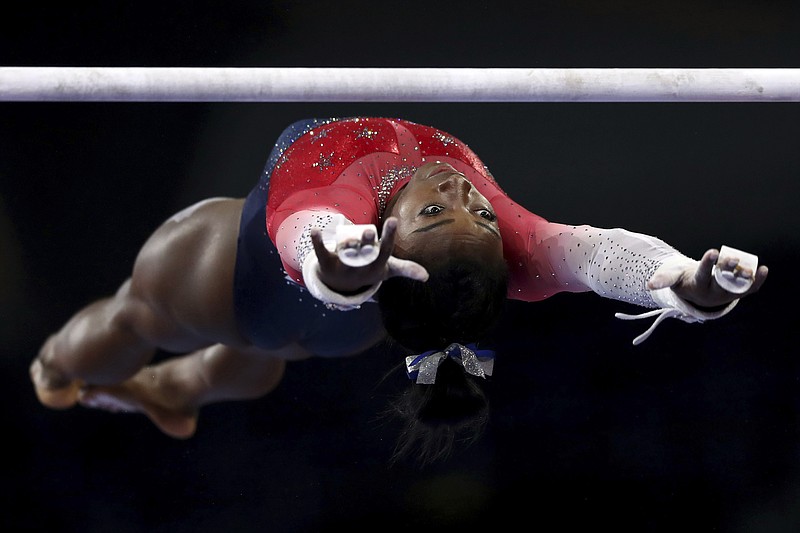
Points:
(462, 301)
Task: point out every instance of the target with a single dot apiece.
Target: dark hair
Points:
(462, 301)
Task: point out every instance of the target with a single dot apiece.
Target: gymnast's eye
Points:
(432, 210)
(488, 215)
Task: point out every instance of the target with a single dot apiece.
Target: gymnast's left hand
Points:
(697, 285)
(346, 279)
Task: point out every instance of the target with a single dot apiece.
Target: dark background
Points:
(697, 429)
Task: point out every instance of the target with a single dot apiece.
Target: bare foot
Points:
(138, 395)
(53, 390)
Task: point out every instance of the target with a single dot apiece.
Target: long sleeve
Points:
(546, 258)
(615, 263)
(293, 237)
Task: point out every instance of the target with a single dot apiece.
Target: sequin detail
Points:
(611, 261)
(282, 149)
(389, 180)
(303, 245)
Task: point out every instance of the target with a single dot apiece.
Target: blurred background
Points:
(695, 429)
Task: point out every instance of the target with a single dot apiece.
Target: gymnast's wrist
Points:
(339, 289)
(707, 308)
(691, 312)
(326, 294)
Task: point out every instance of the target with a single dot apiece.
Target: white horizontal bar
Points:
(300, 84)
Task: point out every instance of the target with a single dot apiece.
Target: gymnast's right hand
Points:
(346, 279)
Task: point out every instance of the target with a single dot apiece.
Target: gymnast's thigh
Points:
(183, 278)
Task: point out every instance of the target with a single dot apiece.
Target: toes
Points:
(56, 394)
(62, 398)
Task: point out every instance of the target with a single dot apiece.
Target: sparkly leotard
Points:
(321, 170)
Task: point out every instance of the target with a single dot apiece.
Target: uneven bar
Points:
(302, 84)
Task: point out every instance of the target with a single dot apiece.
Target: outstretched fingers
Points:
(406, 269)
(729, 267)
(327, 259)
(704, 274)
(395, 266)
(387, 240)
(760, 278)
(383, 267)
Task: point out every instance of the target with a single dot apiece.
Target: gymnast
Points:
(358, 231)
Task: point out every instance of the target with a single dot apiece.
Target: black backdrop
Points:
(696, 429)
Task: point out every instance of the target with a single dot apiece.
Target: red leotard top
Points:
(354, 166)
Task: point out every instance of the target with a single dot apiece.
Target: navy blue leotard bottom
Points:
(272, 311)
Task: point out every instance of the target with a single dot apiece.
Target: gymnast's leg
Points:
(100, 344)
(179, 298)
(171, 393)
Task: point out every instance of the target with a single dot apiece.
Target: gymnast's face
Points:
(440, 211)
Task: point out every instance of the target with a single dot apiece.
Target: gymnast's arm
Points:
(639, 269)
(632, 267)
(546, 258)
(309, 247)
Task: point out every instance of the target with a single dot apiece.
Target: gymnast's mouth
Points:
(441, 168)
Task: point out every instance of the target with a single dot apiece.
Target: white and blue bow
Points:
(422, 368)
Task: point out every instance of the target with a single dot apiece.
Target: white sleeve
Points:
(617, 263)
(293, 238)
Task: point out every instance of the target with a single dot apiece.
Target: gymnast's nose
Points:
(455, 183)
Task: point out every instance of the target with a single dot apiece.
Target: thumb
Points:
(406, 269)
(667, 278)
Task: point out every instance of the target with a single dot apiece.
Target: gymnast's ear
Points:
(393, 202)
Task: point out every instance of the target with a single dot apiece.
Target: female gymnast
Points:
(297, 269)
